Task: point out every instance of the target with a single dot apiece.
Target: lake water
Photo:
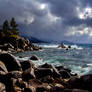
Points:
(78, 58)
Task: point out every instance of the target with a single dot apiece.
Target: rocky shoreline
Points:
(25, 76)
(13, 45)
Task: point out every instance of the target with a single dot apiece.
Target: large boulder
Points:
(27, 64)
(21, 43)
(43, 72)
(55, 73)
(75, 82)
(34, 57)
(86, 81)
(64, 74)
(10, 62)
(28, 74)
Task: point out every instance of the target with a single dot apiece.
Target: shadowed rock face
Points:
(86, 81)
(42, 72)
(83, 82)
(27, 64)
(28, 74)
(10, 62)
(55, 72)
(23, 76)
(64, 74)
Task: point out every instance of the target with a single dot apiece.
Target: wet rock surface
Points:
(27, 64)
(10, 61)
(24, 76)
(34, 57)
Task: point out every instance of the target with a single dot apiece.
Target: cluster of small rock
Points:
(62, 45)
(12, 45)
(24, 76)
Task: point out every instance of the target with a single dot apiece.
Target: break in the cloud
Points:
(51, 19)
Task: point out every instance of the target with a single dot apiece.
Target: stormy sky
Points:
(51, 19)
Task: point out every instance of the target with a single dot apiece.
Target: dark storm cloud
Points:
(63, 8)
(67, 10)
(86, 2)
(76, 22)
(47, 19)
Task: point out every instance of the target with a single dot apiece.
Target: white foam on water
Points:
(76, 69)
(76, 47)
(56, 46)
(37, 62)
(80, 70)
(49, 46)
(72, 47)
(89, 64)
(23, 59)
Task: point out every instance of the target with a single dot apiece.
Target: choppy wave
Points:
(78, 59)
(49, 45)
(76, 47)
(56, 45)
(23, 58)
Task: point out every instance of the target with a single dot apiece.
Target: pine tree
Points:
(14, 26)
(5, 26)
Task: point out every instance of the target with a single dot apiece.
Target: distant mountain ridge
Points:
(37, 40)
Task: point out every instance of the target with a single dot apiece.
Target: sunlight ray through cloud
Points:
(84, 13)
(42, 6)
(78, 31)
(53, 18)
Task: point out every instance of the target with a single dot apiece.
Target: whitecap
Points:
(49, 46)
(22, 59)
(76, 47)
(89, 64)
